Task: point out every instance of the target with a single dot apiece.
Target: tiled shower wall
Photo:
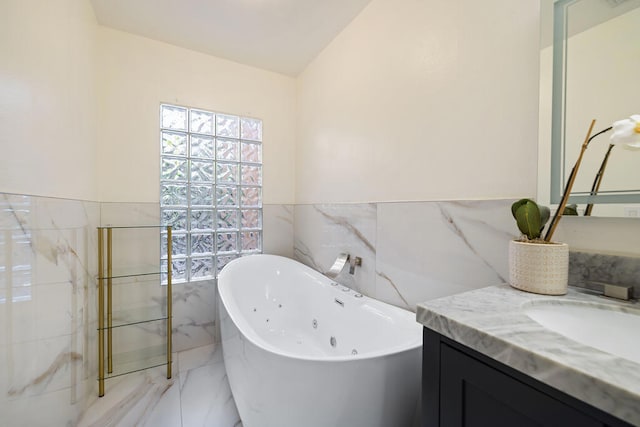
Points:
(48, 307)
(48, 365)
(411, 251)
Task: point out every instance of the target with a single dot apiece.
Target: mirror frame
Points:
(559, 87)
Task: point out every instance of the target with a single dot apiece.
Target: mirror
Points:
(590, 71)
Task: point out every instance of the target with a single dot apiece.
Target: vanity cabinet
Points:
(462, 387)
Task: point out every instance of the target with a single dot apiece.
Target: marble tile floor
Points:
(197, 395)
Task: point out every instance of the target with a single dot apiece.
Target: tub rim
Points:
(261, 343)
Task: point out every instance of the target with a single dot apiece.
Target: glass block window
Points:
(210, 189)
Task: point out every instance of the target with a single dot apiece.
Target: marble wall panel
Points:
(194, 314)
(591, 270)
(322, 232)
(48, 302)
(412, 251)
(193, 303)
(418, 251)
(47, 286)
(427, 250)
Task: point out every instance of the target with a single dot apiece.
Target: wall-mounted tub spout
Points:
(341, 262)
(338, 265)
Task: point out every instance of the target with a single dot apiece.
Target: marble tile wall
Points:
(417, 251)
(47, 311)
(411, 251)
(591, 270)
(193, 303)
(321, 232)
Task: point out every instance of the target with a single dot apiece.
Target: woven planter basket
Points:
(539, 268)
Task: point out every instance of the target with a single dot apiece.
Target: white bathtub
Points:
(301, 351)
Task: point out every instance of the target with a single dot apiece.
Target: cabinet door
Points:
(473, 394)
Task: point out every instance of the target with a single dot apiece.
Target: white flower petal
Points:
(624, 131)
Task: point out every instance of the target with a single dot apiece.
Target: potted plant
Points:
(536, 265)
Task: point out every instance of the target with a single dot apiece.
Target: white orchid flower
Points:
(627, 132)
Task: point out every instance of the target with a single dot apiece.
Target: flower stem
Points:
(599, 133)
(569, 186)
(598, 179)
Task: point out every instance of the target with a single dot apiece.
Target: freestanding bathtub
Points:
(303, 351)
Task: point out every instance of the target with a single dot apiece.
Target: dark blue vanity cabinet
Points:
(461, 387)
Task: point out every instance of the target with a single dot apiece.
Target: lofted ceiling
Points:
(278, 35)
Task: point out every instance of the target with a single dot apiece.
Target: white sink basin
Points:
(605, 327)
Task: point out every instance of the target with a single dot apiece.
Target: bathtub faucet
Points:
(341, 262)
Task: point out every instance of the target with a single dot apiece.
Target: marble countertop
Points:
(491, 321)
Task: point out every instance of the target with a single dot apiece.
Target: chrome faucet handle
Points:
(356, 261)
(618, 291)
(621, 292)
(338, 265)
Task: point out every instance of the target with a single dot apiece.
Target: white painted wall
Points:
(47, 98)
(79, 105)
(136, 74)
(422, 100)
(407, 86)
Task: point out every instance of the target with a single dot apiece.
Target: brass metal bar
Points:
(100, 314)
(109, 300)
(169, 302)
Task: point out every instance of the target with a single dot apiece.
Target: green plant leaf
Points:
(516, 205)
(528, 219)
